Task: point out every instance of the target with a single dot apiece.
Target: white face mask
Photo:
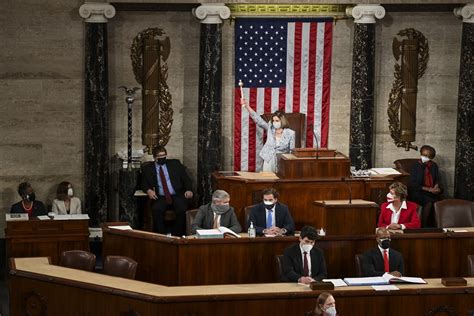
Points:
(424, 159)
(277, 124)
(307, 247)
(268, 202)
(390, 197)
(70, 192)
(331, 311)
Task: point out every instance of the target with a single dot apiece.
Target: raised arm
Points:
(254, 115)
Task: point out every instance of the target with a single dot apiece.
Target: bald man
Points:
(382, 258)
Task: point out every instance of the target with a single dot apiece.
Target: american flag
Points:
(285, 65)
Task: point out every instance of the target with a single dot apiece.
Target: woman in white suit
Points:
(280, 138)
(66, 202)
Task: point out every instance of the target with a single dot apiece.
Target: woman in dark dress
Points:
(28, 203)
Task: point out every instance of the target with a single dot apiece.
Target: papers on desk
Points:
(16, 217)
(216, 233)
(336, 282)
(67, 217)
(121, 227)
(383, 280)
(44, 217)
(385, 287)
(383, 171)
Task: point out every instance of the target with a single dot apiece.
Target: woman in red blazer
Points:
(397, 212)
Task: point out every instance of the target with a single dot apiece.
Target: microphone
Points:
(315, 139)
(343, 179)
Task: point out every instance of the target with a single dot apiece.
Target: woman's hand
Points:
(246, 105)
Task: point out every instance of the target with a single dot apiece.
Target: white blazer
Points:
(270, 149)
(60, 208)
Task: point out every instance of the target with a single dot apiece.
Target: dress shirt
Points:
(273, 214)
(167, 177)
(308, 257)
(396, 214)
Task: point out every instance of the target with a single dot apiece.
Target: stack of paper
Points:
(383, 280)
(209, 233)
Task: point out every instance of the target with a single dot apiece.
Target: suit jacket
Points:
(283, 218)
(287, 141)
(408, 217)
(292, 264)
(372, 262)
(38, 209)
(60, 208)
(205, 219)
(177, 173)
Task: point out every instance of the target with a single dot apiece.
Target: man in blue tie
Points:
(271, 217)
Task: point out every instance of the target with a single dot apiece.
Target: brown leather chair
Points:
(454, 213)
(296, 122)
(120, 266)
(470, 265)
(247, 216)
(279, 263)
(77, 259)
(359, 258)
(190, 215)
(405, 164)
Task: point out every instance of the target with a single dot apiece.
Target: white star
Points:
(271, 26)
(256, 43)
(260, 81)
(265, 76)
(281, 27)
(250, 80)
(276, 76)
(250, 59)
(240, 37)
(271, 37)
(245, 43)
(260, 59)
(245, 54)
(251, 37)
(271, 70)
(250, 70)
(261, 26)
(251, 27)
(270, 81)
(276, 32)
(266, 43)
(281, 59)
(266, 32)
(281, 81)
(271, 48)
(276, 65)
(245, 75)
(261, 37)
(281, 38)
(255, 65)
(271, 59)
(255, 76)
(281, 70)
(240, 59)
(260, 70)
(245, 65)
(241, 26)
(266, 65)
(250, 48)
(261, 48)
(246, 32)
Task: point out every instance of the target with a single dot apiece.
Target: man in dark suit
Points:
(167, 184)
(303, 262)
(271, 217)
(382, 259)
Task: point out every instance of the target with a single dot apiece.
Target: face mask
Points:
(31, 197)
(220, 209)
(331, 311)
(70, 192)
(424, 159)
(385, 243)
(307, 247)
(268, 205)
(277, 124)
(390, 197)
(161, 161)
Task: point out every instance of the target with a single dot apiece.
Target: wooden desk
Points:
(38, 288)
(176, 261)
(36, 238)
(300, 194)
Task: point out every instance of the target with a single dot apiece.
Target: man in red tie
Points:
(168, 185)
(382, 259)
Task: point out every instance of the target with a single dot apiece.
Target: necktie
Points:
(165, 187)
(216, 221)
(305, 264)
(385, 261)
(269, 219)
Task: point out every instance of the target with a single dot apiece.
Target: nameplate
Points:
(317, 285)
(454, 281)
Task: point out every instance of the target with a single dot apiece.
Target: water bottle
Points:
(251, 231)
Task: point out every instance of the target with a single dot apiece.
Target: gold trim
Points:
(239, 10)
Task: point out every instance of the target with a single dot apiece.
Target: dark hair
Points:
(268, 191)
(282, 117)
(322, 298)
(309, 232)
(430, 149)
(22, 187)
(158, 149)
(61, 192)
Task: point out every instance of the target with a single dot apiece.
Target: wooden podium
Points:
(40, 238)
(311, 163)
(339, 217)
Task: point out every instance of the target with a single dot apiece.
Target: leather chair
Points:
(296, 122)
(405, 164)
(190, 215)
(120, 266)
(454, 213)
(247, 216)
(359, 259)
(77, 259)
(279, 263)
(470, 265)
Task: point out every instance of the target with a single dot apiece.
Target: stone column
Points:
(96, 158)
(362, 87)
(464, 166)
(210, 99)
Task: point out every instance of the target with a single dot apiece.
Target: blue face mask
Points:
(331, 311)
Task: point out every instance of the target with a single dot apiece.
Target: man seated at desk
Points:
(302, 262)
(271, 217)
(382, 259)
(397, 213)
(217, 213)
(28, 203)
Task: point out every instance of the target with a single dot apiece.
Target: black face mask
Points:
(385, 243)
(31, 197)
(161, 161)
